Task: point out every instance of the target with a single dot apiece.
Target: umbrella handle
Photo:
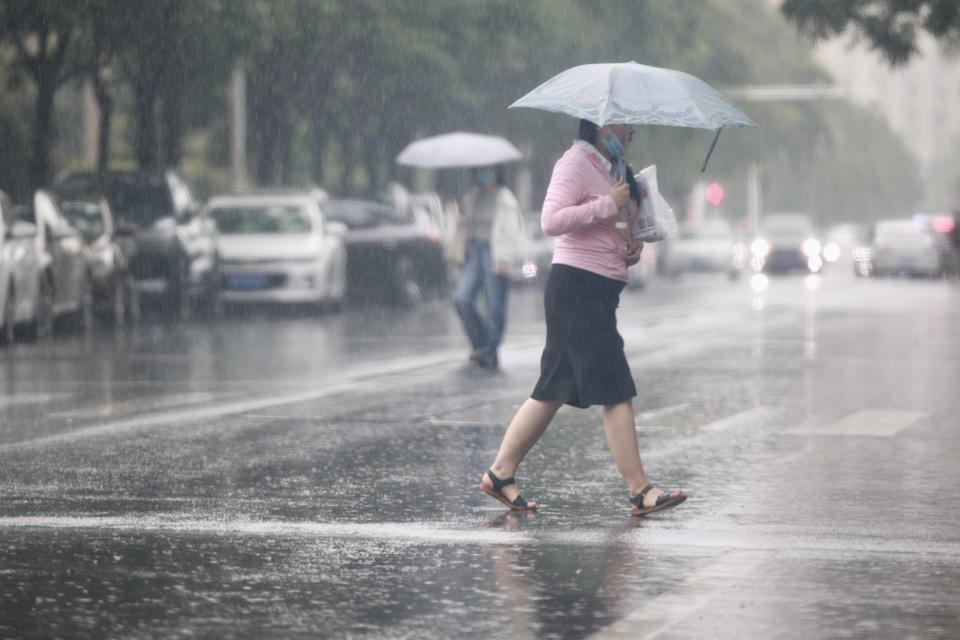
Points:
(713, 145)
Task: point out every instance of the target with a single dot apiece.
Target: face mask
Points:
(615, 149)
(484, 177)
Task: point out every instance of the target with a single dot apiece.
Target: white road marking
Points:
(672, 607)
(749, 418)
(18, 399)
(882, 423)
(653, 414)
(141, 405)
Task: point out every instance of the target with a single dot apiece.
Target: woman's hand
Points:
(620, 194)
(634, 249)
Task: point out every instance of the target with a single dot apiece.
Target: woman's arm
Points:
(563, 208)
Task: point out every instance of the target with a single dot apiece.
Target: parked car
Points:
(109, 253)
(175, 255)
(389, 256)
(278, 248)
(902, 247)
(61, 283)
(709, 246)
(786, 242)
(19, 271)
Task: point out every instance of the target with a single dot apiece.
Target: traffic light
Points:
(715, 193)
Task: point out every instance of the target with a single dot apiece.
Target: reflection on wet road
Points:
(316, 476)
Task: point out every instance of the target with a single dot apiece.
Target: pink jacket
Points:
(579, 211)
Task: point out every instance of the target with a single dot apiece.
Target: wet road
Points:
(316, 477)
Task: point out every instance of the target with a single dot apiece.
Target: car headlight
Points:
(831, 252)
(811, 248)
(760, 248)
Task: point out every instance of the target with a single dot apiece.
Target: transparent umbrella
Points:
(633, 93)
(458, 149)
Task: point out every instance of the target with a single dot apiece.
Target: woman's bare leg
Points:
(621, 432)
(529, 423)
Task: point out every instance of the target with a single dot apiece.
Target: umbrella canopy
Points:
(458, 149)
(633, 93)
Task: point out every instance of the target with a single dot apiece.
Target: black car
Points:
(389, 257)
(175, 257)
(110, 250)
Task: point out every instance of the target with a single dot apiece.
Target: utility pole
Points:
(238, 129)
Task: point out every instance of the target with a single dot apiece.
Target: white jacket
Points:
(505, 235)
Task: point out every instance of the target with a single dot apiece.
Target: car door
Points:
(65, 245)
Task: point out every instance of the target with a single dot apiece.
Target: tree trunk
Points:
(42, 134)
(105, 104)
(145, 128)
(347, 153)
(171, 109)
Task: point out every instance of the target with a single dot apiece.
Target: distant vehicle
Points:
(786, 242)
(109, 250)
(61, 284)
(840, 241)
(535, 253)
(278, 248)
(20, 268)
(389, 256)
(902, 247)
(175, 255)
(709, 246)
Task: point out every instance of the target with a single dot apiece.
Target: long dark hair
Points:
(589, 132)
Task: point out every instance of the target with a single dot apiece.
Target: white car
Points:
(905, 247)
(278, 248)
(707, 246)
(51, 278)
(20, 266)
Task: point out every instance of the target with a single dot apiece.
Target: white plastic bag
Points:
(656, 220)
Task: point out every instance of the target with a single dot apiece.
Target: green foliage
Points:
(336, 89)
(889, 26)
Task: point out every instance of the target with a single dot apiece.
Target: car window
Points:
(363, 215)
(85, 217)
(786, 225)
(901, 230)
(141, 202)
(709, 230)
(244, 220)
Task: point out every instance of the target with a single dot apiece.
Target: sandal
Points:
(493, 487)
(664, 500)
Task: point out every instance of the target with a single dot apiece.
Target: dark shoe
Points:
(664, 500)
(488, 360)
(493, 487)
(476, 355)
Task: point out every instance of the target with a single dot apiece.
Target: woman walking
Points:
(485, 245)
(590, 202)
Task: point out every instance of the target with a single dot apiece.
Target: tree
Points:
(889, 26)
(42, 32)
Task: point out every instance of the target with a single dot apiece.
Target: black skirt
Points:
(583, 363)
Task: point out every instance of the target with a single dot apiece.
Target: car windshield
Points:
(85, 217)
(362, 215)
(787, 225)
(902, 230)
(263, 219)
(709, 230)
(141, 202)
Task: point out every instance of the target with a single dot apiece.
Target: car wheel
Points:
(41, 328)
(178, 296)
(9, 320)
(406, 291)
(85, 312)
(131, 296)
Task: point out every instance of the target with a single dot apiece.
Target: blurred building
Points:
(918, 100)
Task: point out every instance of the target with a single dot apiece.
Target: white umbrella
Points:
(458, 149)
(632, 93)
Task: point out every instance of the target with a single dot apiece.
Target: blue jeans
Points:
(484, 331)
